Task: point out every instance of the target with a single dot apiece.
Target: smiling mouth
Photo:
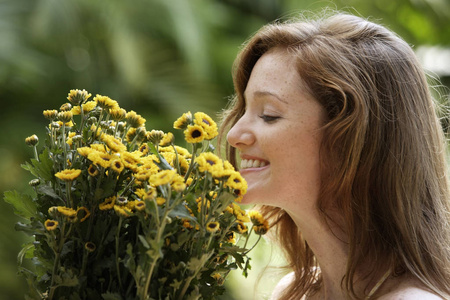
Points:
(252, 163)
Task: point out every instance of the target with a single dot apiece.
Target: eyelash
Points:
(269, 119)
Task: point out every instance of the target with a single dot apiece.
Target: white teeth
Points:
(252, 163)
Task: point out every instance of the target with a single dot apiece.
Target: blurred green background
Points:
(160, 58)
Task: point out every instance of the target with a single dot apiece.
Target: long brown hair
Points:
(383, 151)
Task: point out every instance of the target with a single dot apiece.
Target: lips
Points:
(253, 163)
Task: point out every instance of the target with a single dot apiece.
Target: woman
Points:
(340, 143)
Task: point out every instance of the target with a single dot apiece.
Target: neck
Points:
(331, 251)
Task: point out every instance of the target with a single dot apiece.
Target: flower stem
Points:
(117, 252)
(56, 262)
(63, 144)
(191, 165)
(156, 257)
(36, 156)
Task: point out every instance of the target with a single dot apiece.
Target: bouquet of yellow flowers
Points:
(119, 212)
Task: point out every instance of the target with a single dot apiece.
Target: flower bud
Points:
(122, 200)
(118, 114)
(53, 211)
(104, 124)
(90, 246)
(77, 138)
(77, 97)
(32, 140)
(92, 120)
(121, 126)
(65, 116)
(55, 125)
(167, 140)
(66, 107)
(50, 114)
(155, 136)
(34, 182)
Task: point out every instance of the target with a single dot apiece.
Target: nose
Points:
(241, 134)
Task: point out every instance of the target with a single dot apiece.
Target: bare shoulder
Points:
(282, 286)
(409, 291)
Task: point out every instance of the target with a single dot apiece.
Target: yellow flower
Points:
(240, 227)
(134, 120)
(142, 174)
(100, 159)
(139, 205)
(238, 184)
(90, 246)
(67, 211)
(32, 140)
(118, 114)
(144, 149)
(163, 177)
(184, 164)
(131, 160)
(261, 229)
(239, 213)
(65, 116)
(117, 165)
(84, 151)
(213, 226)
(160, 201)
(208, 162)
(187, 224)
(146, 194)
(105, 102)
(216, 276)
(69, 138)
(108, 203)
(87, 213)
(256, 218)
(88, 106)
(123, 211)
(50, 225)
(183, 121)
(92, 170)
(167, 139)
(155, 136)
(76, 110)
(50, 114)
(113, 143)
(99, 147)
(231, 237)
(68, 174)
(178, 184)
(66, 107)
(182, 151)
(208, 124)
(78, 96)
(194, 134)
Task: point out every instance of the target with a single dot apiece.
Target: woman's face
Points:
(278, 137)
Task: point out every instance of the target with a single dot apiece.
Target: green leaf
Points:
(23, 204)
(47, 189)
(162, 164)
(181, 211)
(27, 252)
(143, 241)
(111, 296)
(68, 278)
(43, 168)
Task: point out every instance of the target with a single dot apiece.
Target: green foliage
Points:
(123, 213)
(23, 204)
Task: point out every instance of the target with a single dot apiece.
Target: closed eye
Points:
(268, 119)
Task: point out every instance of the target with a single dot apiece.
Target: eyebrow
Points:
(268, 93)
